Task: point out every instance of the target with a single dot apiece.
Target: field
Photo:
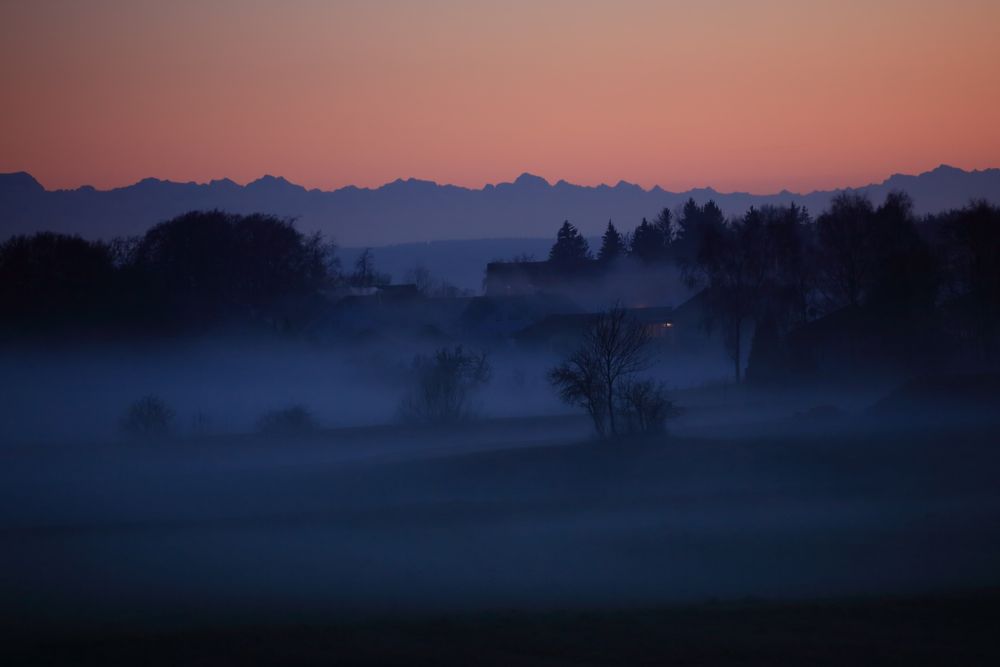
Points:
(516, 540)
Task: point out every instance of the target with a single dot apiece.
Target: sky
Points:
(738, 95)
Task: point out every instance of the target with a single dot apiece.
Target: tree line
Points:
(199, 270)
(778, 268)
(773, 269)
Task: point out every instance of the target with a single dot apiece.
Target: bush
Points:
(644, 406)
(149, 417)
(443, 385)
(295, 420)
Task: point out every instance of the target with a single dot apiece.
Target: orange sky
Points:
(740, 95)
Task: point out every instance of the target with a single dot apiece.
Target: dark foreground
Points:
(943, 630)
(822, 541)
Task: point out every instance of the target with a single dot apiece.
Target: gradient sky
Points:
(739, 95)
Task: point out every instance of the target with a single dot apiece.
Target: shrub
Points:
(295, 420)
(644, 406)
(149, 417)
(443, 385)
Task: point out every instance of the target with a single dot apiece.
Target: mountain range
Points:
(412, 210)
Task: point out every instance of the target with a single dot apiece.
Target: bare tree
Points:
(444, 384)
(365, 274)
(614, 349)
(577, 382)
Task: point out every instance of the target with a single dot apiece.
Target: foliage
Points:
(53, 280)
(753, 268)
(970, 258)
(212, 265)
(612, 244)
(648, 242)
(200, 269)
(570, 247)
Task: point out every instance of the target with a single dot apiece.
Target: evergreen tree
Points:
(695, 223)
(648, 242)
(570, 246)
(665, 223)
(612, 244)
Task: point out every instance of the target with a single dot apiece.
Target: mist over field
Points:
(535, 333)
(228, 423)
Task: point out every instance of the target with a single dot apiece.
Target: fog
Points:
(702, 413)
(751, 493)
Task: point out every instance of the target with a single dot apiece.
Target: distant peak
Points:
(19, 181)
(531, 180)
(268, 178)
(269, 182)
(946, 169)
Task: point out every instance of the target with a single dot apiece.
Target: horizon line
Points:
(526, 175)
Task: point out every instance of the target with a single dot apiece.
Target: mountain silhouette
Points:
(413, 210)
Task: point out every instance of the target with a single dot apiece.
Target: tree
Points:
(365, 273)
(570, 247)
(54, 280)
(578, 382)
(204, 267)
(903, 276)
(614, 350)
(845, 234)
(738, 263)
(694, 224)
(612, 245)
(791, 242)
(648, 242)
(665, 224)
(971, 256)
(443, 385)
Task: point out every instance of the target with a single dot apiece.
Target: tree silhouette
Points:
(614, 350)
(204, 267)
(52, 280)
(971, 257)
(570, 247)
(648, 242)
(665, 224)
(845, 235)
(365, 274)
(696, 229)
(754, 269)
(612, 244)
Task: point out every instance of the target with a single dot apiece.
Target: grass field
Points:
(508, 542)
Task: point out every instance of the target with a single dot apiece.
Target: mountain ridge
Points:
(414, 210)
